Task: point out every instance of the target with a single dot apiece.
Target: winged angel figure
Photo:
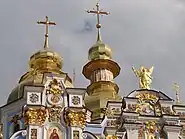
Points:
(144, 75)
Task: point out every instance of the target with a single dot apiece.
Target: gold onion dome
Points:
(43, 63)
(100, 50)
(46, 60)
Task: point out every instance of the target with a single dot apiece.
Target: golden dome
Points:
(100, 51)
(44, 63)
(46, 60)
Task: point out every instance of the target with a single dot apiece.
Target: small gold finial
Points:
(47, 23)
(98, 12)
(144, 75)
(176, 88)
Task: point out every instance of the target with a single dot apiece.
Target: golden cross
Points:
(176, 88)
(47, 23)
(98, 12)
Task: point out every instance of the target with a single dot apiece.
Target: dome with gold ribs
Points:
(42, 64)
(46, 60)
(100, 50)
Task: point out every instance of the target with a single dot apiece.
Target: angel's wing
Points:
(135, 71)
(151, 69)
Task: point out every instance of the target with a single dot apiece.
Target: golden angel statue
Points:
(144, 75)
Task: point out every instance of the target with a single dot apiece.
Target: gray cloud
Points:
(144, 32)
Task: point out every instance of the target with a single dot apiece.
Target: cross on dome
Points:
(47, 23)
(98, 12)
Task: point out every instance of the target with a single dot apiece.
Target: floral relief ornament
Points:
(54, 114)
(34, 98)
(76, 100)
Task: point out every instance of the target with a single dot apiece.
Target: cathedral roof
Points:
(37, 80)
(160, 94)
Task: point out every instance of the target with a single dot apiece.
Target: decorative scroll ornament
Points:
(145, 109)
(21, 133)
(151, 130)
(34, 116)
(147, 104)
(76, 118)
(146, 96)
(55, 87)
(144, 75)
(54, 114)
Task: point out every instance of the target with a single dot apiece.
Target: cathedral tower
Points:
(44, 104)
(101, 71)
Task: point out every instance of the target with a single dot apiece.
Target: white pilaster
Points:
(132, 130)
(172, 131)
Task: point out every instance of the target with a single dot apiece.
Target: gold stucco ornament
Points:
(151, 129)
(144, 75)
(54, 114)
(34, 116)
(76, 118)
(55, 87)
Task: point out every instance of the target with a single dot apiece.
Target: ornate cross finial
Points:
(176, 88)
(47, 23)
(98, 12)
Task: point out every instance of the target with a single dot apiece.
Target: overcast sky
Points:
(140, 32)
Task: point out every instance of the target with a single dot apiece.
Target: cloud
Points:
(144, 32)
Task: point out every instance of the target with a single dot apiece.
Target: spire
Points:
(74, 76)
(176, 88)
(98, 12)
(101, 71)
(47, 23)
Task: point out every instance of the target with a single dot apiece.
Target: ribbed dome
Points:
(100, 51)
(18, 92)
(46, 60)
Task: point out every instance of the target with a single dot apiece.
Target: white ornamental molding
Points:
(88, 135)
(22, 133)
